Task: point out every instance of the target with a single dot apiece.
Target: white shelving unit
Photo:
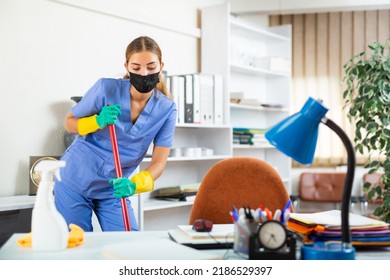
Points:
(241, 52)
(156, 214)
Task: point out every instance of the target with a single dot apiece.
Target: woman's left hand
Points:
(123, 187)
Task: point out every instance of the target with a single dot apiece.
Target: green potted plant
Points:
(367, 97)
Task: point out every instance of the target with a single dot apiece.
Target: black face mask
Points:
(144, 84)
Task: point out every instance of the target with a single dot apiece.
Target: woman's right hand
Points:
(108, 115)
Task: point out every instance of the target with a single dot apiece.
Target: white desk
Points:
(95, 248)
(8, 203)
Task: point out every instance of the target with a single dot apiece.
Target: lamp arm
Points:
(345, 203)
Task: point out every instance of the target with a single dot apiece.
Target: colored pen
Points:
(277, 215)
(286, 216)
(287, 206)
(264, 216)
(268, 213)
(233, 216)
(285, 209)
(260, 215)
(234, 213)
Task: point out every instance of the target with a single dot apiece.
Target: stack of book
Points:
(240, 99)
(185, 192)
(249, 136)
(326, 226)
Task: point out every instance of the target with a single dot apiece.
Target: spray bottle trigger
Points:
(57, 174)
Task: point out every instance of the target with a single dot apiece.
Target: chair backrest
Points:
(239, 182)
(375, 179)
(321, 186)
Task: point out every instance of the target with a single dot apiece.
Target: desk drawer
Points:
(14, 221)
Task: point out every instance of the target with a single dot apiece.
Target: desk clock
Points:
(272, 241)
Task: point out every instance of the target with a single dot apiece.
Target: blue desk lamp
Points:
(296, 136)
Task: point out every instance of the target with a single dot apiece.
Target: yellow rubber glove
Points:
(76, 237)
(108, 115)
(87, 125)
(144, 182)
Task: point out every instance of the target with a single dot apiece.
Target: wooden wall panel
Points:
(274, 20)
(322, 77)
(371, 28)
(310, 57)
(286, 19)
(298, 91)
(383, 25)
(322, 44)
(358, 32)
(334, 73)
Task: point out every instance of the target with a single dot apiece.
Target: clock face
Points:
(272, 235)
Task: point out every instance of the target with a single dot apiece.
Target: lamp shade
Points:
(296, 136)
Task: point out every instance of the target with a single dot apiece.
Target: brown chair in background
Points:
(239, 182)
(320, 187)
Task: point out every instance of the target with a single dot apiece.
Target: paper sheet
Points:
(333, 219)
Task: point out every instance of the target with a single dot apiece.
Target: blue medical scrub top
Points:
(89, 160)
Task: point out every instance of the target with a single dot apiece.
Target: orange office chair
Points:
(239, 182)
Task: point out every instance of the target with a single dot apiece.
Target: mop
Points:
(118, 168)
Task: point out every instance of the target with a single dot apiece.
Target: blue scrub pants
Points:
(77, 209)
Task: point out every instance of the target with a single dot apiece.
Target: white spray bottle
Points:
(48, 227)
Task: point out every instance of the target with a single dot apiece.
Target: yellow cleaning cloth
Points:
(25, 241)
(76, 237)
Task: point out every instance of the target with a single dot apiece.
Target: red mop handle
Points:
(118, 168)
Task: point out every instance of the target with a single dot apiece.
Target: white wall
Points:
(52, 50)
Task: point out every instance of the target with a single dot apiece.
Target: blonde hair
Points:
(142, 44)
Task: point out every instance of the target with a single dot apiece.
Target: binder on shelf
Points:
(196, 91)
(181, 110)
(174, 87)
(207, 98)
(218, 99)
(188, 99)
(199, 98)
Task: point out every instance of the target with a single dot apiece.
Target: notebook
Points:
(221, 236)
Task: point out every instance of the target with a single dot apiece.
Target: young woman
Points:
(143, 113)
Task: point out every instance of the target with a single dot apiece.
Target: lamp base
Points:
(327, 251)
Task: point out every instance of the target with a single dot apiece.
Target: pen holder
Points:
(242, 233)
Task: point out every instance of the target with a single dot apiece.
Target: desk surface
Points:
(101, 245)
(8, 203)
(113, 245)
